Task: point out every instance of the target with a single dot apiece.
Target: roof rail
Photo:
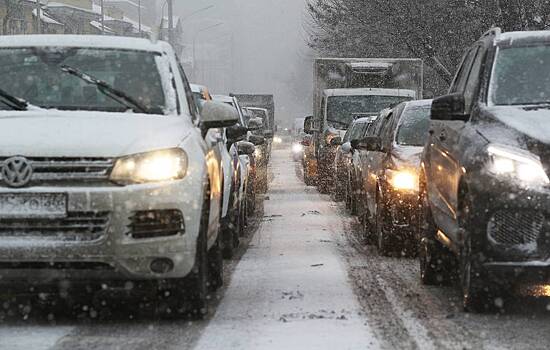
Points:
(496, 31)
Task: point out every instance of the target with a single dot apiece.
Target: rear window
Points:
(413, 126)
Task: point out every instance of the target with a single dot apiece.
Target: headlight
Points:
(297, 148)
(517, 164)
(403, 180)
(277, 139)
(164, 165)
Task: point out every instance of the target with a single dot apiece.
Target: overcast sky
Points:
(257, 46)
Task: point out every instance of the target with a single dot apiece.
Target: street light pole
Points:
(170, 22)
(139, 17)
(102, 19)
(195, 46)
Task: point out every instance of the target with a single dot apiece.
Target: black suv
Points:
(484, 178)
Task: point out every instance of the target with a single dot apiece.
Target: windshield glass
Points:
(37, 76)
(521, 76)
(413, 126)
(341, 110)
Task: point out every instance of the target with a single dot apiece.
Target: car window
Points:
(348, 133)
(413, 126)
(472, 84)
(194, 106)
(459, 83)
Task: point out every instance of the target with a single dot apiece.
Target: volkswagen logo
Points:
(16, 171)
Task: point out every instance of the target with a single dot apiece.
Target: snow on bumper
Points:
(36, 257)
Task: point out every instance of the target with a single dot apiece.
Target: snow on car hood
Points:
(533, 123)
(47, 133)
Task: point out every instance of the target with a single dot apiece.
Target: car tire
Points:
(215, 266)
(339, 190)
(477, 292)
(436, 261)
(230, 233)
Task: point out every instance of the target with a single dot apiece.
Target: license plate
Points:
(33, 205)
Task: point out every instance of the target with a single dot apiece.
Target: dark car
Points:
(390, 189)
(344, 155)
(484, 183)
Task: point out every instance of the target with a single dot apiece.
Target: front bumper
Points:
(402, 209)
(510, 226)
(113, 254)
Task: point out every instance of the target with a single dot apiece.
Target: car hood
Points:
(87, 134)
(406, 156)
(523, 128)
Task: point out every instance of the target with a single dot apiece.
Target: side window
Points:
(194, 110)
(473, 80)
(459, 83)
(385, 126)
(348, 133)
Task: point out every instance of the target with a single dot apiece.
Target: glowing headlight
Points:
(277, 139)
(154, 166)
(403, 180)
(297, 148)
(517, 164)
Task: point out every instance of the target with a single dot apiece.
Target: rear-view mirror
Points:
(218, 115)
(449, 107)
(236, 133)
(256, 140)
(246, 148)
(369, 143)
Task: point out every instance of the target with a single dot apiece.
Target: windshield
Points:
(40, 77)
(358, 131)
(413, 126)
(341, 110)
(521, 76)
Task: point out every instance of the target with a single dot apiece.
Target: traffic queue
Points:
(117, 174)
(460, 181)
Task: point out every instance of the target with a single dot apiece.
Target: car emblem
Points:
(17, 172)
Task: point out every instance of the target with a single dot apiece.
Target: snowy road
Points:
(303, 280)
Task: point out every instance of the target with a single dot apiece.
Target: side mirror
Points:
(336, 141)
(236, 133)
(346, 147)
(246, 148)
(218, 115)
(256, 140)
(255, 124)
(449, 107)
(268, 134)
(369, 143)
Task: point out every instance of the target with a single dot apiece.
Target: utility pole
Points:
(38, 20)
(170, 22)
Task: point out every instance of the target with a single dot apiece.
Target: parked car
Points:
(343, 160)
(484, 180)
(263, 151)
(309, 161)
(391, 186)
(111, 182)
(233, 224)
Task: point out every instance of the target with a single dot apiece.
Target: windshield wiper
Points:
(15, 103)
(106, 89)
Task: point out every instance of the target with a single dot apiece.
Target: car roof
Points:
(197, 88)
(256, 109)
(364, 120)
(369, 91)
(91, 41)
(522, 38)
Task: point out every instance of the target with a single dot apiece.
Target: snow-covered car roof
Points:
(197, 88)
(223, 98)
(93, 41)
(369, 91)
(510, 38)
(256, 109)
(365, 119)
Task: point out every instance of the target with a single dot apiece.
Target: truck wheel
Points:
(436, 261)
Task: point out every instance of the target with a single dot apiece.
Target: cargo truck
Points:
(348, 88)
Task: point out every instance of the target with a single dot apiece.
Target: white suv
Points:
(105, 175)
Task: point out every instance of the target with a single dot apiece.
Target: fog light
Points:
(162, 265)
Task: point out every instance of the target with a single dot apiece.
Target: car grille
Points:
(56, 171)
(156, 223)
(77, 226)
(515, 227)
